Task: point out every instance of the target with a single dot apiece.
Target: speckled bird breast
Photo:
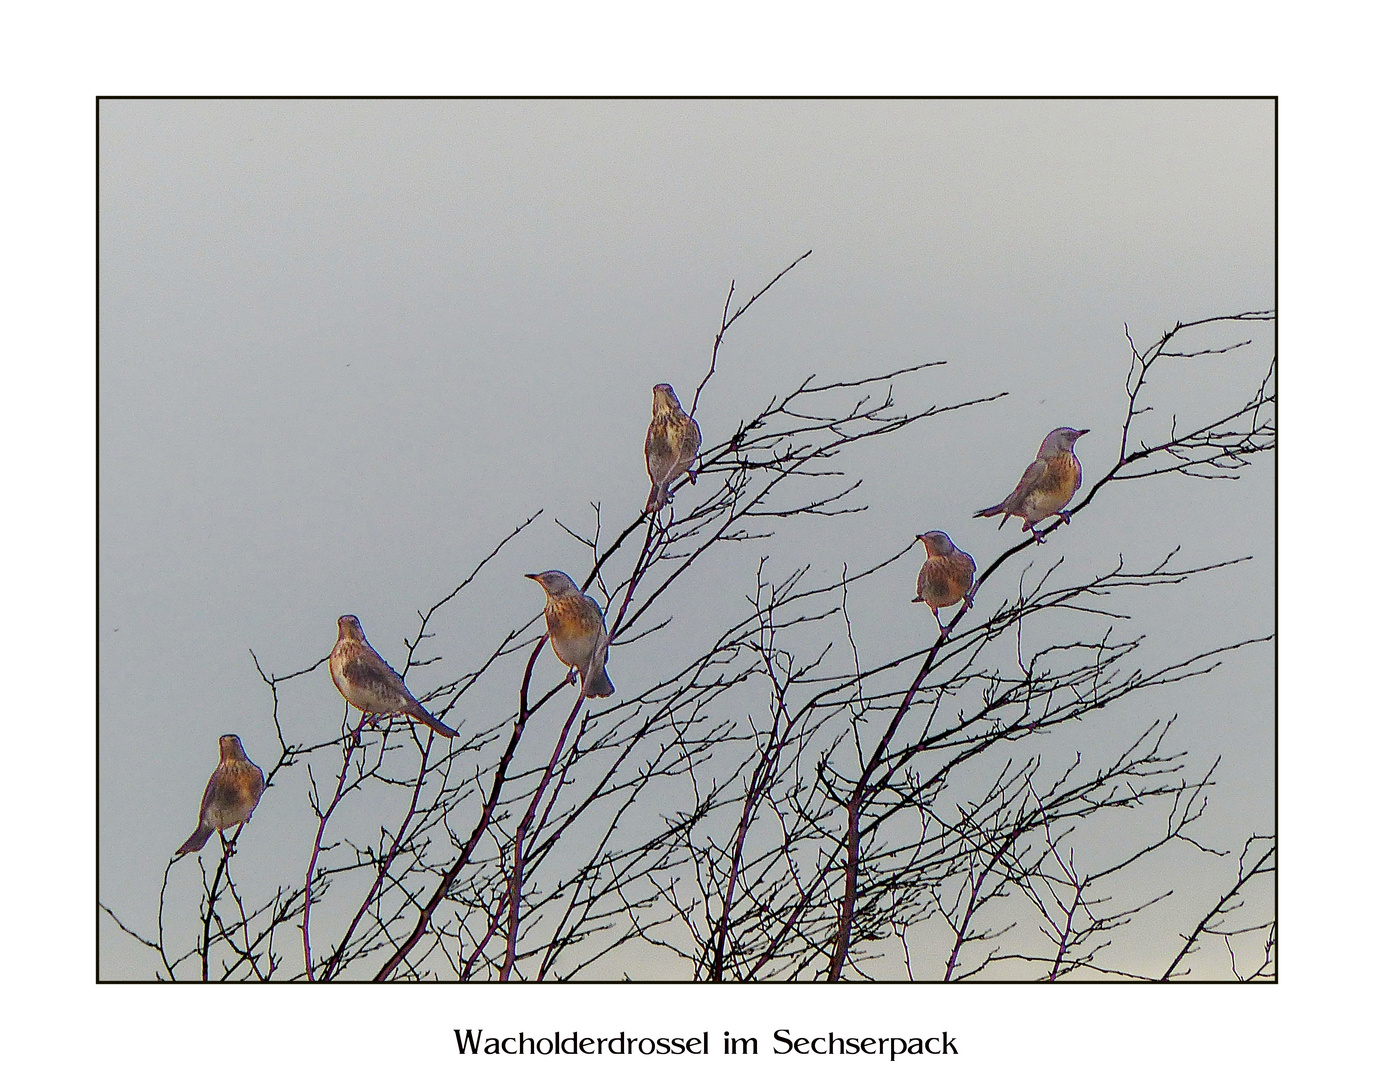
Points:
(573, 629)
(1062, 477)
(237, 790)
(944, 579)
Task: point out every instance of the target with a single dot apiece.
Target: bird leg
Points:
(572, 675)
(1064, 517)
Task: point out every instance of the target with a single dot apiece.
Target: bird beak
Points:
(533, 577)
(1081, 433)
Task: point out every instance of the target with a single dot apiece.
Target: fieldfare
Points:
(946, 576)
(577, 631)
(670, 447)
(367, 682)
(1046, 486)
(231, 795)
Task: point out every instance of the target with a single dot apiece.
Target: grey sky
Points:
(346, 346)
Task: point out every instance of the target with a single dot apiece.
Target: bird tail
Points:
(597, 682)
(993, 511)
(196, 840)
(421, 713)
(599, 685)
(658, 498)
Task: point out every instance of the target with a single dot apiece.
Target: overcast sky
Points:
(346, 346)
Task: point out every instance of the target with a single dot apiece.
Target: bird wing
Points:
(212, 791)
(592, 613)
(691, 443)
(257, 782)
(601, 635)
(967, 569)
(1035, 471)
(370, 671)
(595, 679)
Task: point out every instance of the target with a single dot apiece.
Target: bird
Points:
(670, 447)
(577, 631)
(946, 576)
(230, 797)
(368, 683)
(1046, 486)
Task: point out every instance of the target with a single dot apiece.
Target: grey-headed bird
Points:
(577, 631)
(946, 576)
(1046, 486)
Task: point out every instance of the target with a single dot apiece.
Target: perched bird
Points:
(231, 795)
(577, 631)
(1046, 486)
(946, 576)
(367, 682)
(670, 447)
